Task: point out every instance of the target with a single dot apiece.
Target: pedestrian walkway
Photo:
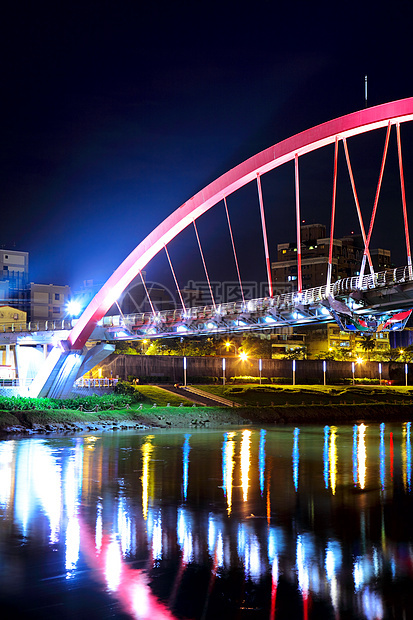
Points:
(219, 400)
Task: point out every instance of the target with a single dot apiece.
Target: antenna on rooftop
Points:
(365, 91)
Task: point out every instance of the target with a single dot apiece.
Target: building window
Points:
(56, 310)
(57, 296)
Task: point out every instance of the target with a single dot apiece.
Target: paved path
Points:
(200, 397)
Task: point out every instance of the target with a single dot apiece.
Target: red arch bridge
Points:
(370, 302)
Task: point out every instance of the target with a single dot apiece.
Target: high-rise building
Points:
(347, 255)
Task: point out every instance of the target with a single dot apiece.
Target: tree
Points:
(368, 344)
(298, 353)
(256, 346)
(325, 355)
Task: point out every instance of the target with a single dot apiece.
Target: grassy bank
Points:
(262, 405)
(309, 395)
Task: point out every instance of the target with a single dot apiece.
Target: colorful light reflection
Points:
(228, 464)
(245, 462)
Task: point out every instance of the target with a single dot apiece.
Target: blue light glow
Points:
(261, 459)
(382, 457)
(296, 458)
(269, 319)
(181, 328)
(74, 307)
(325, 456)
(333, 558)
(355, 474)
(185, 450)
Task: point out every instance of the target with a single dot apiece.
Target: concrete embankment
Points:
(69, 422)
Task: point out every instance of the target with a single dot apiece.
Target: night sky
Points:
(115, 113)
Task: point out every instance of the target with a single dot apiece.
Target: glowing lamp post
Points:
(223, 371)
(293, 372)
(324, 371)
(406, 370)
(380, 371)
(185, 371)
(352, 370)
(260, 368)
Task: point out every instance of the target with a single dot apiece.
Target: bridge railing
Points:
(377, 280)
(285, 301)
(38, 326)
(91, 383)
(15, 382)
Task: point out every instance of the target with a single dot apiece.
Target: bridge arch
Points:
(300, 144)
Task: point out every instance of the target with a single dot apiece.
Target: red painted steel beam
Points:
(264, 236)
(298, 220)
(276, 155)
(333, 215)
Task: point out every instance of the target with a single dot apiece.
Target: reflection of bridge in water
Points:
(129, 535)
(368, 303)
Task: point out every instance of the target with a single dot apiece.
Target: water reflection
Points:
(138, 515)
(228, 464)
(245, 462)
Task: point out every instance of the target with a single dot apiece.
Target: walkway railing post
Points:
(324, 371)
(406, 371)
(380, 371)
(352, 370)
(260, 368)
(223, 371)
(293, 372)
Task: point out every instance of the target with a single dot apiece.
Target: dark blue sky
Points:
(115, 113)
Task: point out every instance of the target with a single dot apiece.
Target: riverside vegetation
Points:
(145, 406)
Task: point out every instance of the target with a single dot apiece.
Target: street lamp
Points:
(243, 356)
(228, 345)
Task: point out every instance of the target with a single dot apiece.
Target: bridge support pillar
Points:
(61, 368)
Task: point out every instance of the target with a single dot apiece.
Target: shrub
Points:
(127, 389)
(10, 403)
(364, 380)
(118, 401)
(247, 379)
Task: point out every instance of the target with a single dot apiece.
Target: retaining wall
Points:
(169, 368)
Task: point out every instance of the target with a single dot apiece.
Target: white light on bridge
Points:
(270, 319)
(181, 328)
(73, 308)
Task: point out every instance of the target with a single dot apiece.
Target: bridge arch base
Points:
(61, 368)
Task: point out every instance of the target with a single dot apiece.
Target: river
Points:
(278, 523)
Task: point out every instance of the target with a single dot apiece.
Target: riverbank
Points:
(70, 422)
